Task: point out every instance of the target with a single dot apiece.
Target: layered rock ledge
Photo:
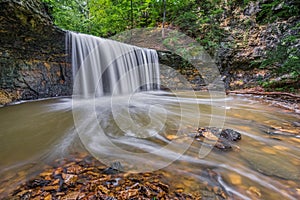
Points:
(32, 53)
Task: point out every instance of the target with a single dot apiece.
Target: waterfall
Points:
(106, 67)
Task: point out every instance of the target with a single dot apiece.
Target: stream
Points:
(151, 131)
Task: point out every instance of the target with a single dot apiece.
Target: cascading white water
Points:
(106, 67)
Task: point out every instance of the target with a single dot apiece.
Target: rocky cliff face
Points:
(249, 41)
(32, 53)
(177, 73)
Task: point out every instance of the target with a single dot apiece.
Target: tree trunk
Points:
(164, 18)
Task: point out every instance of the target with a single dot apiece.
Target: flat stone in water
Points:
(272, 165)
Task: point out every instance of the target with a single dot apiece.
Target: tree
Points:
(108, 17)
(164, 18)
(70, 14)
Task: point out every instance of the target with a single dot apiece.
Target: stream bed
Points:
(155, 132)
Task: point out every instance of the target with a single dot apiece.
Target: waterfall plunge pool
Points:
(263, 165)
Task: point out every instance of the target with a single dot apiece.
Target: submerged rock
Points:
(223, 138)
(272, 165)
(115, 168)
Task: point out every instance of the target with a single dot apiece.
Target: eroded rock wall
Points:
(247, 42)
(32, 53)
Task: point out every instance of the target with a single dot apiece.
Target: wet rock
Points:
(223, 138)
(230, 135)
(128, 194)
(46, 174)
(272, 165)
(115, 168)
(25, 194)
(71, 196)
(74, 169)
(253, 191)
(50, 188)
(279, 131)
(33, 61)
(223, 145)
(38, 183)
(103, 189)
(69, 179)
(208, 133)
(58, 180)
(208, 194)
(235, 179)
(163, 186)
(91, 183)
(296, 124)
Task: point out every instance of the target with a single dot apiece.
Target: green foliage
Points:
(187, 23)
(175, 8)
(283, 60)
(198, 19)
(210, 33)
(108, 17)
(70, 14)
(104, 17)
(272, 10)
(285, 85)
